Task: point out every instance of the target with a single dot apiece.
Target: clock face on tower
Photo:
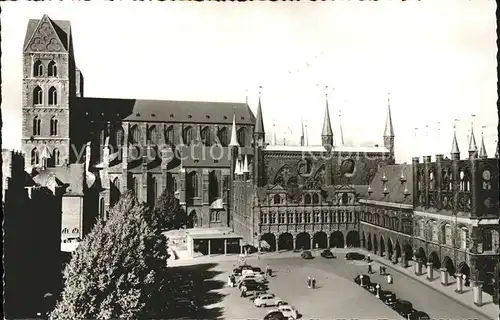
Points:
(486, 175)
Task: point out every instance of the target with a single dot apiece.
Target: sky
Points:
(437, 59)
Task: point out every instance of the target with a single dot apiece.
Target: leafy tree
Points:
(118, 270)
(167, 214)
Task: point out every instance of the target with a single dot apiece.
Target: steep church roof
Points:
(167, 111)
(393, 183)
(42, 31)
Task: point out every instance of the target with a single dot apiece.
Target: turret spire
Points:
(259, 122)
(234, 140)
(273, 140)
(389, 130)
(454, 145)
(327, 132)
(341, 131)
(472, 142)
(302, 136)
(482, 152)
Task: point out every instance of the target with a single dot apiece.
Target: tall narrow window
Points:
(119, 136)
(487, 240)
(35, 157)
(222, 135)
(52, 69)
(169, 135)
(206, 136)
(53, 126)
(101, 208)
(38, 69)
(187, 135)
(192, 189)
(52, 96)
(242, 134)
(56, 156)
(152, 135)
(135, 134)
(37, 96)
(447, 234)
(37, 123)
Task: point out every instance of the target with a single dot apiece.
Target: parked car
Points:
(269, 299)
(275, 315)
(372, 287)
(256, 269)
(388, 297)
(366, 280)
(257, 277)
(419, 315)
(288, 311)
(306, 255)
(257, 294)
(253, 285)
(354, 256)
(403, 307)
(327, 254)
(238, 270)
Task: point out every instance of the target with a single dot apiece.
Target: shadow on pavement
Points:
(190, 290)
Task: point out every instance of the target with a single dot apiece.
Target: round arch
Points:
(303, 241)
(320, 240)
(421, 255)
(352, 239)
(408, 252)
(268, 241)
(464, 269)
(193, 221)
(285, 241)
(434, 259)
(382, 246)
(337, 239)
(450, 267)
(369, 245)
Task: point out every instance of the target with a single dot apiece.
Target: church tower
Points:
(327, 132)
(259, 136)
(49, 86)
(389, 133)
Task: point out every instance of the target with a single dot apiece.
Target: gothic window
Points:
(464, 180)
(315, 198)
(53, 126)
(52, 69)
(215, 216)
(290, 217)
(387, 222)
(334, 217)
(431, 181)
(421, 228)
(152, 190)
(325, 217)
(463, 237)
(447, 234)
(376, 219)
(486, 180)
(420, 180)
(152, 135)
(263, 218)
(350, 216)
(487, 240)
(345, 199)
(281, 217)
(37, 96)
(135, 134)
(277, 199)
(205, 136)
(307, 217)
(135, 186)
(37, 124)
(450, 180)
(317, 217)
(434, 231)
(406, 227)
(272, 218)
(242, 139)
(119, 136)
(222, 135)
(192, 187)
(35, 157)
(169, 135)
(445, 180)
(38, 69)
(52, 96)
(342, 216)
(307, 199)
(56, 156)
(65, 231)
(101, 208)
(115, 191)
(395, 224)
(76, 231)
(305, 166)
(187, 135)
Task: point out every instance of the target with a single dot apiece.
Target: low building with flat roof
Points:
(208, 241)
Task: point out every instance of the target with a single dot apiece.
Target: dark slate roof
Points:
(62, 27)
(71, 176)
(167, 110)
(394, 185)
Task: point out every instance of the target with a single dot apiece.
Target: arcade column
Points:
(430, 271)
(477, 288)
(444, 276)
(460, 283)
(418, 267)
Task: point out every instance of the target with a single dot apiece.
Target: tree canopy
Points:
(167, 214)
(119, 268)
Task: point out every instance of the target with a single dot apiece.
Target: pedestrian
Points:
(380, 269)
(369, 269)
(384, 270)
(309, 283)
(243, 291)
(267, 270)
(313, 282)
(389, 279)
(229, 281)
(368, 258)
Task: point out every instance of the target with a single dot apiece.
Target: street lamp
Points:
(378, 290)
